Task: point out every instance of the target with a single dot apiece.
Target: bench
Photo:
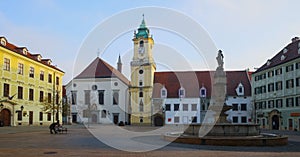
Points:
(62, 129)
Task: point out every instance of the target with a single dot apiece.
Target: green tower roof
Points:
(143, 31)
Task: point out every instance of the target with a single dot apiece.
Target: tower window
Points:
(141, 94)
(141, 71)
(141, 106)
(141, 43)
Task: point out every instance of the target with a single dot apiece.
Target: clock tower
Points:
(142, 74)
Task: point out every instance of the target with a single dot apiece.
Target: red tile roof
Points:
(100, 69)
(291, 54)
(19, 50)
(192, 82)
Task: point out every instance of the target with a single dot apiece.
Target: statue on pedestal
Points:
(220, 59)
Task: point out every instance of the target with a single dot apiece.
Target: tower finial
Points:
(98, 52)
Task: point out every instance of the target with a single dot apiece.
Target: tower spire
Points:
(119, 64)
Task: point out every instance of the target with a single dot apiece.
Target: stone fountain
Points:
(221, 132)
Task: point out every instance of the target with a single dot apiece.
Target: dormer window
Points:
(181, 92)
(39, 57)
(3, 41)
(25, 51)
(282, 57)
(268, 62)
(240, 90)
(285, 50)
(163, 92)
(203, 92)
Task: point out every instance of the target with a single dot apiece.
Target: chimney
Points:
(119, 64)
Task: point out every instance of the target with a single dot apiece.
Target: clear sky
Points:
(248, 32)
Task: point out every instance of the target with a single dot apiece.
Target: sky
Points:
(248, 32)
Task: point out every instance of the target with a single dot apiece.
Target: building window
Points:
(31, 93)
(41, 116)
(168, 107)
(31, 72)
(101, 97)
(263, 105)
(263, 89)
(6, 90)
(244, 119)
(278, 71)
(141, 94)
(194, 119)
(235, 107)
(57, 80)
(163, 92)
(203, 92)
(279, 103)
(176, 119)
(298, 65)
(20, 68)
(290, 83)
(48, 116)
(41, 96)
(271, 73)
(185, 107)
(73, 97)
(87, 97)
(103, 114)
(141, 119)
(141, 43)
(279, 85)
(42, 76)
(289, 68)
(6, 64)
(289, 102)
(20, 92)
(85, 113)
(49, 78)
(298, 82)
(115, 98)
(243, 107)
(141, 106)
(57, 98)
(194, 107)
(297, 101)
(49, 97)
(271, 104)
(235, 119)
(19, 115)
(176, 107)
(271, 87)
(141, 83)
(181, 92)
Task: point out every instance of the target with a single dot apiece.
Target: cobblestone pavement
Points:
(37, 141)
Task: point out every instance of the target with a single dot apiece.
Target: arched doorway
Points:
(94, 118)
(158, 120)
(275, 122)
(5, 117)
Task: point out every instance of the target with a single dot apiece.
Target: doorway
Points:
(275, 122)
(290, 124)
(158, 120)
(94, 118)
(30, 117)
(5, 117)
(116, 118)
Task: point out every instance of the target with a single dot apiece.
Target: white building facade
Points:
(99, 95)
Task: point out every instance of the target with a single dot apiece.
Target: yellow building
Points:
(142, 74)
(28, 84)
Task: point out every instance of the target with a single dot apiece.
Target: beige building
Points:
(30, 87)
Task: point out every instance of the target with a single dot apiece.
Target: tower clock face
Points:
(141, 50)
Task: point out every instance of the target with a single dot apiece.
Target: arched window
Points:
(141, 106)
(203, 92)
(141, 43)
(181, 92)
(141, 94)
(163, 92)
(240, 90)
